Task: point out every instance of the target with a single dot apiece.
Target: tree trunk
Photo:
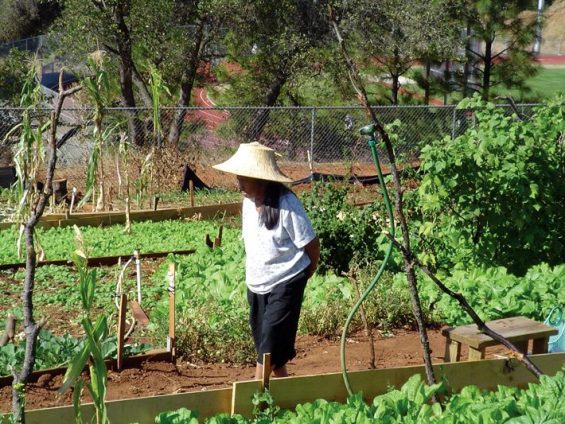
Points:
(487, 71)
(142, 88)
(187, 83)
(467, 66)
(135, 126)
(394, 89)
(261, 116)
(427, 82)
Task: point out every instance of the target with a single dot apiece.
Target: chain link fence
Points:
(323, 139)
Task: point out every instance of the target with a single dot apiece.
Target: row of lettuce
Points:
(539, 403)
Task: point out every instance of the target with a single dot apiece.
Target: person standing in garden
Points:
(282, 252)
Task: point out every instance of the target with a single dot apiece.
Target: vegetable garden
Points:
(485, 214)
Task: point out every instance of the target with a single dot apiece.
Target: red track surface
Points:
(211, 118)
(551, 59)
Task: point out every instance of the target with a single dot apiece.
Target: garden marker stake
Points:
(368, 130)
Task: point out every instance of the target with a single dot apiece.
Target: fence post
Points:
(453, 122)
(312, 121)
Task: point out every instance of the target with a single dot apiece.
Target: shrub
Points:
(495, 195)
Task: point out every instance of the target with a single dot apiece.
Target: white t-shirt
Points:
(275, 256)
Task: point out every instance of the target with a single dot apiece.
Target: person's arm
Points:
(312, 249)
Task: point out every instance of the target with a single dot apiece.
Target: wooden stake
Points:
(138, 274)
(265, 377)
(171, 339)
(121, 330)
(208, 241)
(218, 240)
(191, 192)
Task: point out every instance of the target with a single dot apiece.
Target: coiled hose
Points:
(370, 131)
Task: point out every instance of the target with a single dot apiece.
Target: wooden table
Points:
(518, 330)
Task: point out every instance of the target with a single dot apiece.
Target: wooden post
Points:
(218, 240)
(155, 202)
(121, 330)
(266, 375)
(171, 339)
(138, 274)
(191, 192)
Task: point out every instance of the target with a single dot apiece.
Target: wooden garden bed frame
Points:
(110, 218)
(291, 391)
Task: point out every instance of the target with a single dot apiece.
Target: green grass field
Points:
(547, 83)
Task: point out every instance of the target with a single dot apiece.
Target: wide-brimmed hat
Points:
(255, 161)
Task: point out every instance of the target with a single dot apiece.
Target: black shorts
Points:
(274, 319)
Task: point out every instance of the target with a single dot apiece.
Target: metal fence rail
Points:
(301, 135)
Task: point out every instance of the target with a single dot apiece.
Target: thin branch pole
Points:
(31, 328)
(465, 305)
(358, 86)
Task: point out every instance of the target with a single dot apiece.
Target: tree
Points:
(13, 70)
(272, 41)
(26, 18)
(394, 34)
(172, 36)
(92, 25)
(486, 67)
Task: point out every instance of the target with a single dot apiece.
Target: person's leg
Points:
(278, 372)
(280, 322)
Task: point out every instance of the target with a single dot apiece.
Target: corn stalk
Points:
(98, 88)
(91, 351)
(123, 158)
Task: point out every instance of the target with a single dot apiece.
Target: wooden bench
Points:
(518, 330)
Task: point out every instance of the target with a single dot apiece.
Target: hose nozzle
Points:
(367, 130)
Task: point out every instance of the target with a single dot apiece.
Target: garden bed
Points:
(315, 356)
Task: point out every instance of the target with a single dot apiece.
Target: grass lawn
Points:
(547, 83)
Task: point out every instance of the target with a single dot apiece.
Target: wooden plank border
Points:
(102, 260)
(109, 218)
(290, 391)
(488, 374)
(140, 410)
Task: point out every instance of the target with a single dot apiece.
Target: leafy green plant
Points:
(539, 403)
(264, 408)
(495, 195)
(495, 293)
(345, 231)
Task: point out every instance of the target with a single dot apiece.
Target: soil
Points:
(314, 356)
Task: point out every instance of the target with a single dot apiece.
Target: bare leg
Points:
(279, 372)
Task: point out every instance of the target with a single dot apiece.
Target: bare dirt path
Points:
(315, 356)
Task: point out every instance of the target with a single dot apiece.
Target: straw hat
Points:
(255, 161)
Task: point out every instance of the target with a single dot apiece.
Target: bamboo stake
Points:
(138, 274)
(171, 339)
(73, 198)
(121, 330)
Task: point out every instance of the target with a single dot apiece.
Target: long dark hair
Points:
(270, 210)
